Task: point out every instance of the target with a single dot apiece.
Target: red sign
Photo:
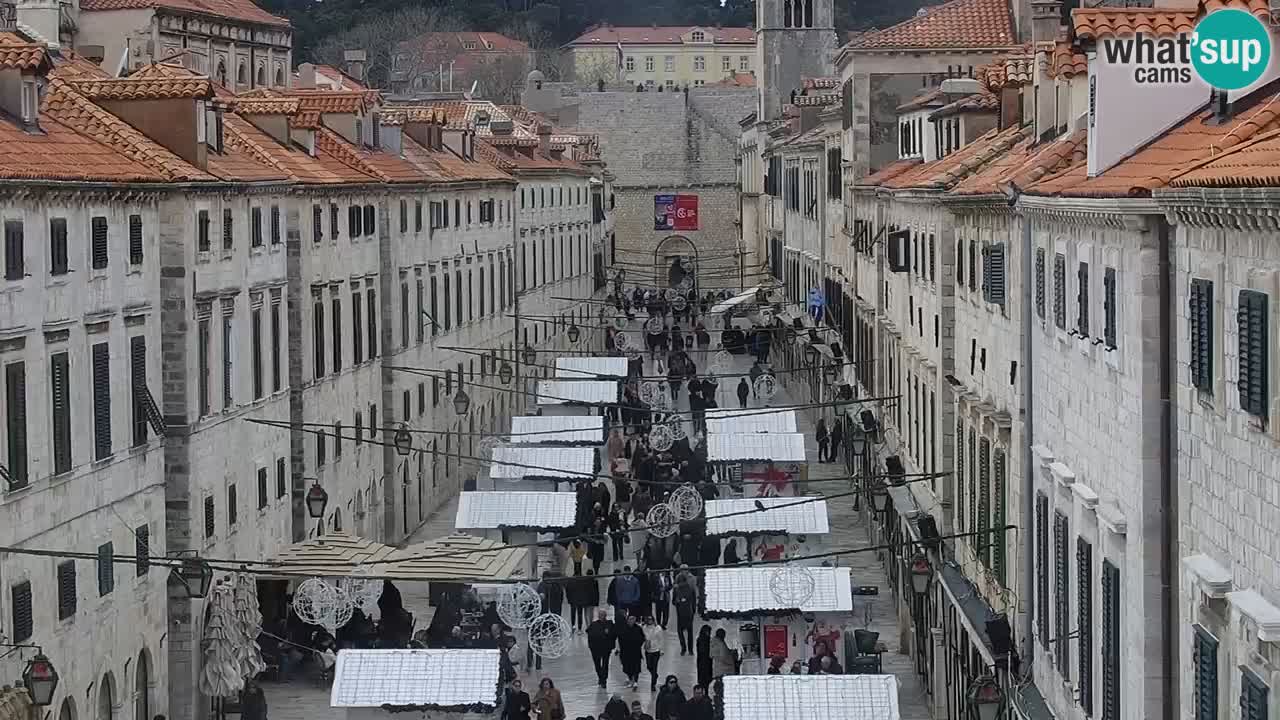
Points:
(775, 641)
(686, 212)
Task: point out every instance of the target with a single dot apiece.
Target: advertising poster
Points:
(675, 212)
(775, 641)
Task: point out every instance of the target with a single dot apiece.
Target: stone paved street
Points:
(573, 673)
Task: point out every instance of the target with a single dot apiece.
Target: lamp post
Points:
(316, 501)
(505, 373)
(41, 680)
(403, 441)
(461, 401)
(986, 698)
(879, 493)
(196, 577)
(574, 333)
(530, 355)
(921, 574)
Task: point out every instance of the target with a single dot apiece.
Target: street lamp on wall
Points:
(811, 356)
(196, 577)
(574, 333)
(986, 698)
(403, 441)
(461, 401)
(317, 499)
(41, 680)
(505, 373)
(921, 574)
(879, 493)
(530, 355)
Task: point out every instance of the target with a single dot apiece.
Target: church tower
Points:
(795, 39)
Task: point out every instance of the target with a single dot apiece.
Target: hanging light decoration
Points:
(620, 322)
(921, 574)
(621, 341)
(649, 391)
(662, 521)
(766, 387)
(461, 401)
(316, 501)
(519, 604)
(654, 325)
(40, 678)
(195, 575)
(792, 585)
(661, 437)
(403, 441)
(721, 362)
(549, 635)
(686, 502)
(530, 355)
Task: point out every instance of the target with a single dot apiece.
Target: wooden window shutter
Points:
(202, 230)
(973, 481)
(98, 256)
(1204, 657)
(138, 385)
(999, 491)
(275, 223)
(255, 349)
(60, 401)
(317, 224)
(135, 239)
(106, 569)
(209, 526)
(1060, 290)
(984, 502)
(1040, 283)
(369, 222)
(142, 550)
(228, 230)
(933, 255)
(1201, 334)
(1254, 361)
(333, 220)
(1082, 300)
(417, 216)
(255, 227)
(23, 617)
(318, 326)
(371, 308)
(14, 250)
(1061, 566)
(1110, 641)
(1084, 623)
(58, 246)
(960, 262)
(353, 222)
(66, 589)
(282, 484)
(404, 216)
(1254, 696)
(15, 394)
(993, 274)
(101, 400)
(1109, 330)
(335, 319)
(233, 504)
(1042, 568)
(960, 475)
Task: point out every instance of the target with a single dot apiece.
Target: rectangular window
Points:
(419, 317)
(204, 340)
(67, 595)
(262, 488)
(435, 328)
(23, 617)
(417, 216)
(986, 539)
(993, 275)
(1084, 624)
(960, 477)
(202, 230)
(404, 314)
(275, 223)
(106, 569)
(1060, 290)
(317, 223)
(276, 340)
(1109, 331)
(228, 230)
(337, 440)
(333, 220)
(209, 526)
(255, 342)
(255, 227)
(1061, 566)
(317, 338)
(648, 63)
(422, 398)
(457, 295)
(357, 328)
(359, 428)
(101, 401)
(335, 319)
(1254, 696)
(1204, 659)
(1201, 334)
(353, 222)
(228, 352)
(369, 222)
(999, 492)
(404, 216)
(371, 308)
(1253, 383)
(57, 247)
(1039, 283)
(138, 384)
(98, 254)
(1082, 300)
(320, 449)
(282, 483)
(15, 394)
(1042, 568)
(141, 550)
(669, 63)
(135, 239)
(1111, 642)
(233, 506)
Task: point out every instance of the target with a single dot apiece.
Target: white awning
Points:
(761, 447)
(751, 421)
(443, 678)
(743, 297)
(811, 697)
(591, 368)
(499, 509)
(749, 589)
(783, 516)
(557, 429)
(516, 463)
(577, 392)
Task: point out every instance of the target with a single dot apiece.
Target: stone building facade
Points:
(671, 58)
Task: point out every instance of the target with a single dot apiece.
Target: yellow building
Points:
(673, 57)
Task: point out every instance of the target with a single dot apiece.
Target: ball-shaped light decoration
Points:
(484, 451)
(686, 501)
(661, 438)
(519, 604)
(766, 387)
(313, 600)
(677, 429)
(662, 521)
(649, 390)
(721, 362)
(344, 607)
(792, 585)
(621, 342)
(365, 591)
(549, 635)
(671, 294)
(686, 283)
(686, 264)
(680, 303)
(654, 325)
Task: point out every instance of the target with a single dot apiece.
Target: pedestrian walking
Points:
(699, 706)
(547, 704)
(624, 593)
(722, 658)
(655, 644)
(616, 709)
(517, 705)
(617, 532)
(661, 595)
(704, 656)
(552, 591)
(744, 391)
(671, 700)
(577, 553)
(631, 650)
(596, 542)
(601, 639)
(837, 436)
(824, 440)
(583, 595)
(638, 713)
(685, 597)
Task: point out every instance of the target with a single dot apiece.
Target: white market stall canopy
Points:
(517, 463)
(783, 516)
(557, 430)
(509, 509)
(747, 590)
(585, 367)
(733, 302)
(432, 678)
(751, 421)
(577, 392)
(811, 697)
(758, 447)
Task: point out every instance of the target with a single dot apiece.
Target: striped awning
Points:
(782, 516)
(460, 558)
(537, 461)
(750, 590)
(332, 555)
(591, 368)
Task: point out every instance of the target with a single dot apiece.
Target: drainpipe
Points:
(1169, 469)
(1025, 631)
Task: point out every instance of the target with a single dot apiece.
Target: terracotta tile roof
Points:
(1251, 164)
(888, 172)
(242, 160)
(305, 121)
(1020, 69)
(1067, 61)
(242, 10)
(333, 101)
(1024, 164)
(737, 79)
(925, 99)
(19, 54)
(1098, 23)
(60, 153)
(444, 166)
(514, 159)
(980, 102)
(144, 88)
(293, 160)
(959, 24)
(661, 35)
(380, 165)
(821, 83)
(1167, 157)
(69, 65)
(942, 174)
(266, 106)
(64, 104)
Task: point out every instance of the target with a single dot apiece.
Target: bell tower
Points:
(795, 39)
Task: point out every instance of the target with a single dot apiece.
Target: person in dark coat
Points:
(685, 598)
(699, 706)
(671, 700)
(837, 437)
(552, 591)
(616, 709)
(704, 656)
(596, 542)
(617, 524)
(824, 441)
(253, 701)
(583, 595)
(517, 703)
(600, 494)
(631, 650)
(731, 553)
(744, 391)
(601, 639)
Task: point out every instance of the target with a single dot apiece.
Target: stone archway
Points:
(68, 709)
(142, 687)
(107, 697)
(666, 256)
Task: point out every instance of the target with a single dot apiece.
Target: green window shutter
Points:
(1060, 290)
(1201, 334)
(1110, 641)
(1254, 356)
(1042, 567)
(1000, 473)
(1082, 300)
(984, 501)
(1061, 566)
(960, 524)
(1204, 652)
(1084, 623)
(994, 274)
(1254, 696)
(1109, 330)
(973, 482)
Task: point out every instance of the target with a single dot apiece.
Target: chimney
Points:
(544, 139)
(1010, 107)
(420, 126)
(1046, 19)
(39, 18)
(355, 61)
(306, 76)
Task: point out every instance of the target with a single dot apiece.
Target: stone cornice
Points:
(20, 190)
(1244, 209)
(1124, 213)
(977, 204)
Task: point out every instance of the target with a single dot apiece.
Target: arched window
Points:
(337, 520)
(222, 73)
(786, 13)
(262, 76)
(107, 697)
(242, 74)
(279, 77)
(68, 710)
(142, 688)
(808, 13)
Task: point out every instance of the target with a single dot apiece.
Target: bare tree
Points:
(402, 46)
(595, 69)
(544, 52)
(501, 78)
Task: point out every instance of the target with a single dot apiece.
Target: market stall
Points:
(811, 697)
(576, 397)
(430, 684)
